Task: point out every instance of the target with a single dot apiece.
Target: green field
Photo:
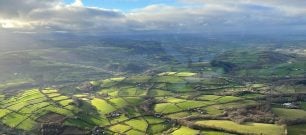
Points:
(134, 132)
(147, 80)
(130, 105)
(290, 114)
(158, 128)
(213, 110)
(102, 106)
(248, 128)
(297, 129)
(168, 79)
(138, 124)
(185, 131)
(21, 111)
(153, 120)
(209, 97)
(166, 108)
(120, 128)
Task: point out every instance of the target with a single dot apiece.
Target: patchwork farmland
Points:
(147, 105)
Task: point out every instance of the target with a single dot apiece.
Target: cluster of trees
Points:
(259, 113)
(148, 105)
(51, 128)
(87, 87)
(282, 98)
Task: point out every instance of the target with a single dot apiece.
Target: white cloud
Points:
(289, 7)
(78, 3)
(14, 24)
(61, 17)
(193, 16)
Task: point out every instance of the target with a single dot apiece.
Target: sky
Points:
(96, 17)
(124, 5)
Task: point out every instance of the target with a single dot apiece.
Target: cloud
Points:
(179, 19)
(190, 16)
(292, 7)
(17, 8)
(14, 24)
(56, 16)
(78, 3)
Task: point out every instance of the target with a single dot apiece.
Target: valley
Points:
(150, 92)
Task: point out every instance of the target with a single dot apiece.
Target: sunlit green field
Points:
(132, 106)
(248, 128)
